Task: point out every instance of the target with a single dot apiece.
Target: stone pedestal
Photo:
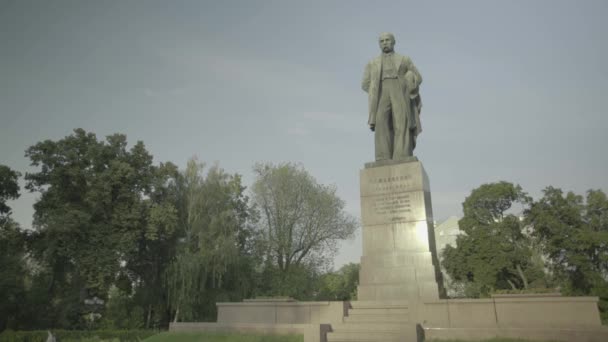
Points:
(399, 259)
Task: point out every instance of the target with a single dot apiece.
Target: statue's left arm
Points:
(413, 81)
(417, 79)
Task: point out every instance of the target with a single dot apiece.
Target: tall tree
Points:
(92, 211)
(142, 279)
(9, 189)
(573, 233)
(494, 253)
(12, 253)
(213, 219)
(301, 220)
(14, 269)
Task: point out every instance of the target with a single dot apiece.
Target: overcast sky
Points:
(512, 90)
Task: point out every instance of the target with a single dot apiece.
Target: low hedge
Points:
(536, 290)
(76, 335)
(196, 336)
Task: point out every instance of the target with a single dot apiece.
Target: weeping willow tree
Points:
(213, 210)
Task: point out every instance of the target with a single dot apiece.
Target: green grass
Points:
(226, 337)
(221, 337)
(76, 335)
(489, 340)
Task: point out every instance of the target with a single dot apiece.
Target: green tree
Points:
(12, 281)
(12, 253)
(301, 221)
(573, 234)
(340, 285)
(142, 278)
(9, 189)
(94, 207)
(123, 311)
(494, 253)
(213, 244)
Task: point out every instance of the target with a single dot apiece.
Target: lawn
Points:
(489, 340)
(221, 337)
(226, 337)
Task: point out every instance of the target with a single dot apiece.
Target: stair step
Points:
(379, 304)
(362, 336)
(378, 311)
(370, 327)
(360, 339)
(387, 318)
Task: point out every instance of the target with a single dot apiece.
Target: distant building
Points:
(445, 234)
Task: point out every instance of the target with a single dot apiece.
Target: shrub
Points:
(76, 335)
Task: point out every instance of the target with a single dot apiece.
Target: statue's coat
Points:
(371, 84)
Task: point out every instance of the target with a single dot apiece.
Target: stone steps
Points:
(375, 321)
(364, 337)
(370, 327)
(388, 318)
(381, 311)
(375, 304)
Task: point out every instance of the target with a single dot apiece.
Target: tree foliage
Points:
(562, 241)
(9, 189)
(95, 206)
(495, 252)
(301, 220)
(12, 253)
(156, 244)
(14, 270)
(573, 233)
(340, 285)
(213, 238)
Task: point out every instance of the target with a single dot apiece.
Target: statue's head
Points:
(387, 42)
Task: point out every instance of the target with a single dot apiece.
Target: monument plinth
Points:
(399, 259)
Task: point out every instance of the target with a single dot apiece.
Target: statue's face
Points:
(387, 43)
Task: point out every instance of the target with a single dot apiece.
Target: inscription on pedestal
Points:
(396, 206)
(393, 207)
(391, 179)
(391, 184)
(393, 194)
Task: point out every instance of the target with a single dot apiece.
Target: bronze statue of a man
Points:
(391, 81)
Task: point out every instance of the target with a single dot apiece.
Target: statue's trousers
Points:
(393, 136)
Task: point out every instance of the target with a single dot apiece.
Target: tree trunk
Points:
(522, 276)
(176, 315)
(149, 316)
(512, 285)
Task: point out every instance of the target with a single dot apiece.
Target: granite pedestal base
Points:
(399, 259)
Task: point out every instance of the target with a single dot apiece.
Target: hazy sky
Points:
(513, 90)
